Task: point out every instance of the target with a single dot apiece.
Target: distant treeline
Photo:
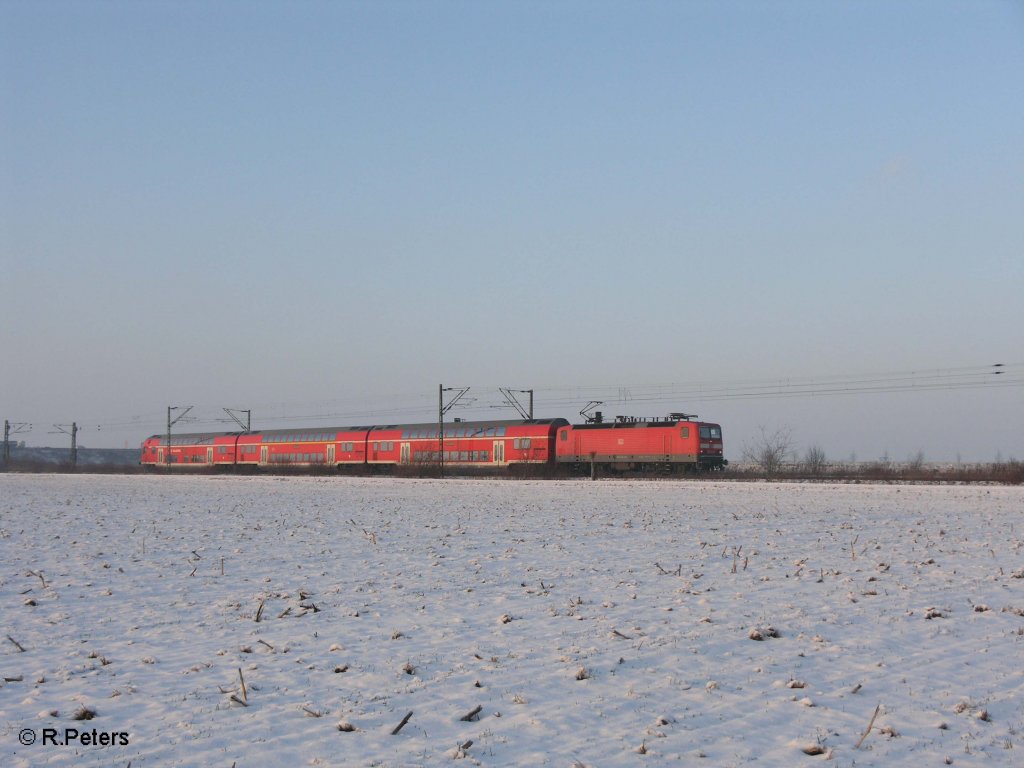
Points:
(1005, 472)
(126, 461)
(59, 459)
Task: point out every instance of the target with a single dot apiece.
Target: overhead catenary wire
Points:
(557, 398)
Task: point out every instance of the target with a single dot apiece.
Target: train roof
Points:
(478, 424)
(198, 438)
(631, 422)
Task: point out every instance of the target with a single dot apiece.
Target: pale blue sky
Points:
(329, 208)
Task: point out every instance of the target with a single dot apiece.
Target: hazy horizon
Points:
(321, 211)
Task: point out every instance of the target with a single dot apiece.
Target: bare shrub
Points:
(770, 450)
(814, 460)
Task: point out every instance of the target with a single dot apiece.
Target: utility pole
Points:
(513, 401)
(184, 411)
(13, 429)
(62, 429)
(442, 409)
(247, 426)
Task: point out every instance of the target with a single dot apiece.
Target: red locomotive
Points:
(673, 444)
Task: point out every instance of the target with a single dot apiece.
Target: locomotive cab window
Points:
(684, 432)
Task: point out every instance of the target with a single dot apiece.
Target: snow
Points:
(593, 623)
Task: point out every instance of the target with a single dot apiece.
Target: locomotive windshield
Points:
(710, 432)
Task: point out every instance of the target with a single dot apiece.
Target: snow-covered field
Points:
(520, 623)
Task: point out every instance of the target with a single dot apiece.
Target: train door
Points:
(159, 455)
(499, 451)
(263, 454)
(209, 455)
(404, 458)
(330, 454)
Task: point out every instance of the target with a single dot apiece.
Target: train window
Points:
(501, 431)
(490, 431)
(464, 456)
(716, 432)
(526, 442)
(684, 433)
(705, 432)
(483, 455)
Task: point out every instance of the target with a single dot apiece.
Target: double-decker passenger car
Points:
(464, 444)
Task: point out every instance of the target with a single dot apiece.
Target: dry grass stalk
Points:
(401, 725)
(468, 717)
(245, 694)
(868, 729)
(259, 612)
(17, 645)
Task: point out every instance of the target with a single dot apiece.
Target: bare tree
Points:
(814, 460)
(915, 462)
(769, 450)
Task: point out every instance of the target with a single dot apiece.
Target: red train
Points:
(670, 444)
